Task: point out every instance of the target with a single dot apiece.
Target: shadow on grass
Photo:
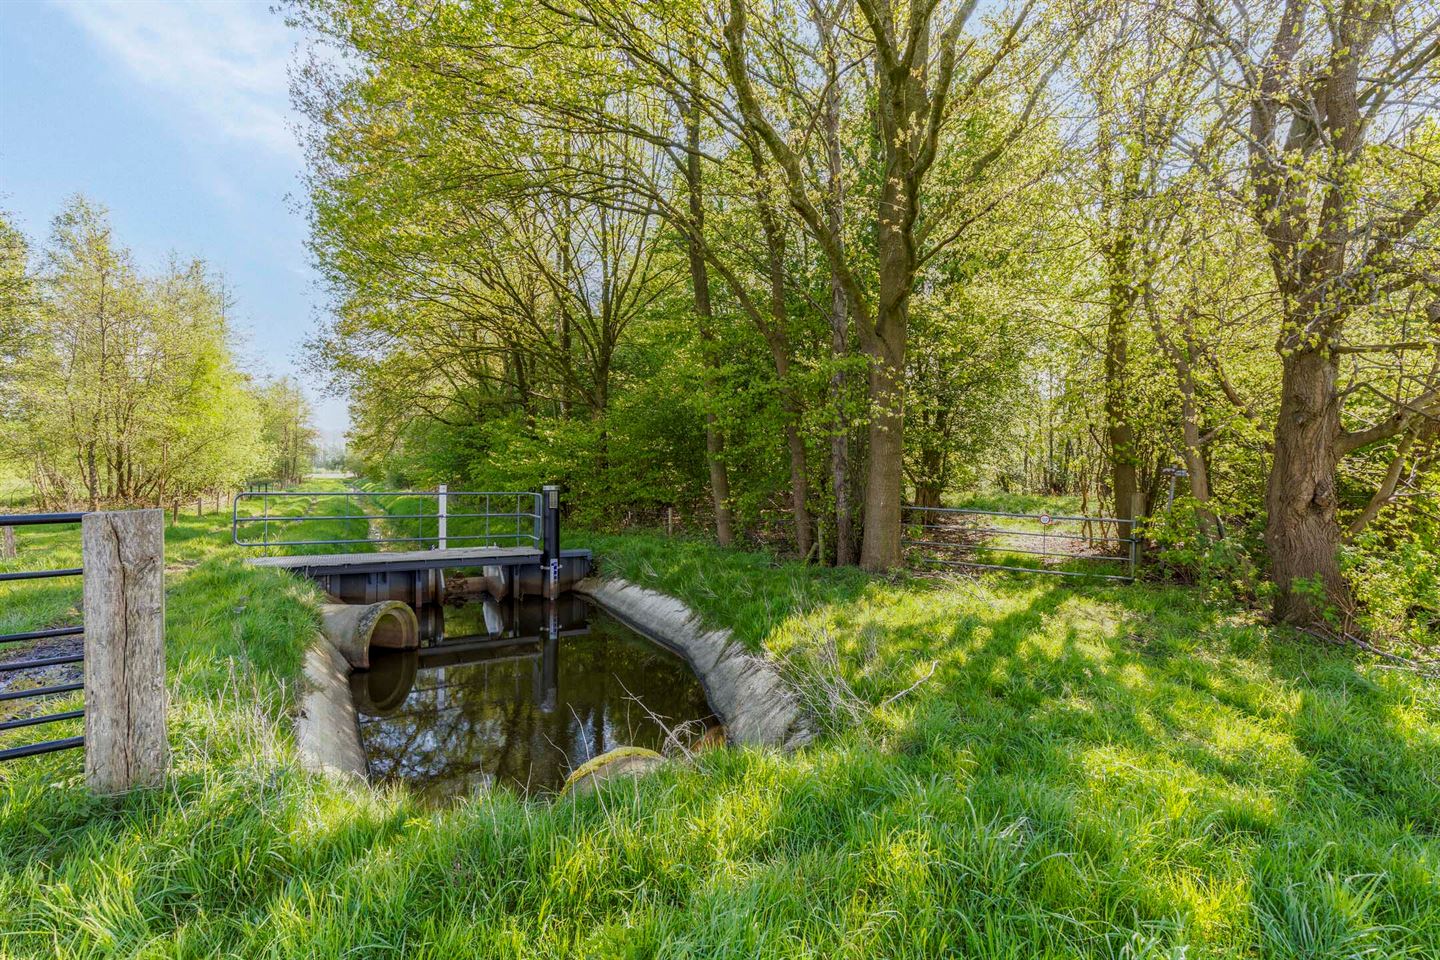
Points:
(1090, 770)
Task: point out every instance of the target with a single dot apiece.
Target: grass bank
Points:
(1093, 771)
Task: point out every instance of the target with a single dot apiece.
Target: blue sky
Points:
(176, 116)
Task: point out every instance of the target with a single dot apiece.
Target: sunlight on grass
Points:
(1088, 770)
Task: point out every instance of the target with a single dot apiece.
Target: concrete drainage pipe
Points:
(353, 629)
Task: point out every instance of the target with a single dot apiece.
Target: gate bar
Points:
(41, 574)
(1058, 573)
(41, 691)
(1017, 516)
(47, 718)
(42, 634)
(1057, 554)
(48, 746)
(13, 665)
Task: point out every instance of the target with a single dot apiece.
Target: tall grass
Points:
(1089, 771)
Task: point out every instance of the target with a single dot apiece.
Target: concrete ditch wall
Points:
(746, 690)
(748, 693)
(327, 729)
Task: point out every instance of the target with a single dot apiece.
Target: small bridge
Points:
(517, 554)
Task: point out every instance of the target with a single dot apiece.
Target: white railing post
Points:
(126, 740)
(441, 512)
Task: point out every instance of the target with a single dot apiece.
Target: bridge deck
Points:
(396, 561)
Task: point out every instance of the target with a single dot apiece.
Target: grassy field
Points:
(1065, 770)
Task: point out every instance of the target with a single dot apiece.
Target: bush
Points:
(1394, 568)
(1226, 567)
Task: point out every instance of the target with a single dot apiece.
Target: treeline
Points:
(120, 387)
(786, 267)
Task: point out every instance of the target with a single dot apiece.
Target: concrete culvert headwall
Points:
(353, 629)
(327, 730)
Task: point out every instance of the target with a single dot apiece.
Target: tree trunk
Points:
(927, 494)
(886, 347)
(795, 446)
(1124, 474)
(839, 306)
(777, 338)
(884, 474)
(1195, 466)
(840, 437)
(1302, 533)
(700, 282)
(92, 476)
(7, 543)
(799, 491)
(1181, 357)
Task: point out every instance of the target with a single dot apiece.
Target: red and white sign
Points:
(1046, 519)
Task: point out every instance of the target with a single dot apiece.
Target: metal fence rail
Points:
(509, 516)
(36, 663)
(954, 536)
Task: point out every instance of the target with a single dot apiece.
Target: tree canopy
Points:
(782, 268)
(121, 387)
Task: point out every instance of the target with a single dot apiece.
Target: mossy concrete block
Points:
(746, 690)
(614, 764)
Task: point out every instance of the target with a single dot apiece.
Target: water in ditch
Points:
(506, 696)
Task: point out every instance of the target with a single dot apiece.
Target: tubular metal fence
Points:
(1071, 546)
(485, 517)
(36, 663)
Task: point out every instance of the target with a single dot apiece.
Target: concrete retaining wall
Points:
(745, 690)
(327, 729)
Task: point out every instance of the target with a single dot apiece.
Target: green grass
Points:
(1090, 770)
(292, 526)
(1023, 503)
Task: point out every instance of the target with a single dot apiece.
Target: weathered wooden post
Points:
(126, 743)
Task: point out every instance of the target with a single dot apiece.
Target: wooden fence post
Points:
(126, 743)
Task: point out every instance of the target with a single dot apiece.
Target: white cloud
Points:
(222, 62)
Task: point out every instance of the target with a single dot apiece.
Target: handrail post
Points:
(550, 539)
(440, 512)
(126, 741)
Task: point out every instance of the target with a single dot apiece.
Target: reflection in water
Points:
(518, 694)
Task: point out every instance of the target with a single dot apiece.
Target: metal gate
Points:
(1069, 546)
(29, 662)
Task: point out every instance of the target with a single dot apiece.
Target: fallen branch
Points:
(1345, 638)
(889, 700)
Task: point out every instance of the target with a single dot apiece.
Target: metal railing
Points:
(36, 663)
(947, 536)
(493, 523)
